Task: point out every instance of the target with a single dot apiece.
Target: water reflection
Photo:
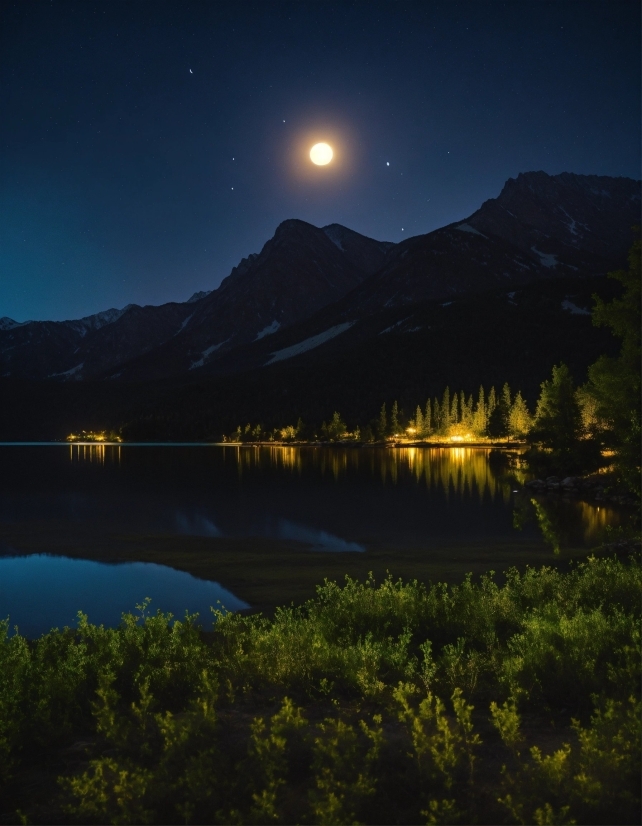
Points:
(561, 520)
(336, 498)
(195, 524)
(457, 470)
(94, 452)
(319, 540)
(102, 591)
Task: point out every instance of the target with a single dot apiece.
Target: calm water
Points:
(28, 597)
(333, 500)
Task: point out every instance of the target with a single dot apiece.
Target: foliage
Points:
(372, 703)
(614, 383)
(558, 428)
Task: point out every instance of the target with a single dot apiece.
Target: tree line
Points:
(453, 414)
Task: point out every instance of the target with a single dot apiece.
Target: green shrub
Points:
(396, 702)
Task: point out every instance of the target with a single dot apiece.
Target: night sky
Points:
(148, 146)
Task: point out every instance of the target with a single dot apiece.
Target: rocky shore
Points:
(598, 488)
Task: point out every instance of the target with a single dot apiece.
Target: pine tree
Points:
(505, 399)
(394, 419)
(444, 424)
(498, 420)
(428, 420)
(558, 426)
(454, 410)
(436, 416)
(383, 423)
(520, 420)
(337, 427)
(419, 422)
(492, 401)
(467, 411)
(614, 383)
(479, 417)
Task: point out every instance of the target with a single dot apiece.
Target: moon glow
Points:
(321, 154)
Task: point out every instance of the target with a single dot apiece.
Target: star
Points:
(387, 164)
(191, 72)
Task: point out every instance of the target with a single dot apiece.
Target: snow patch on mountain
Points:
(573, 308)
(467, 228)
(546, 259)
(184, 324)
(394, 326)
(310, 343)
(272, 327)
(206, 354)
(69, 374)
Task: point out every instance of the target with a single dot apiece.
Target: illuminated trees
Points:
(558, 420)
(419, 422)
(558, 428)
(499, 413)
(428, 420)
(520, 420)
(336, 429)
(479, 416)
(444, 410)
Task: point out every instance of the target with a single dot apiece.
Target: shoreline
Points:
(506, 445)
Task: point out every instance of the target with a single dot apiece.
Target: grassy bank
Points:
(268, 572)
(383, 702)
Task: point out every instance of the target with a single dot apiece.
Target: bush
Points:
(373, 703)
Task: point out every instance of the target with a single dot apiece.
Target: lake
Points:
(263, 524)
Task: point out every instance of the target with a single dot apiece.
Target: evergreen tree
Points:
(454, 410)
(429, 421)
(419, 422)
(506, 396)
(382, 428)
(394, 419)
(558, 426)
(479, 417)
(498, 420)
(436, 416)
(492, 402)
(614, 383)
(520, 420)
(467, 412)
(444, 424)
(336, 429)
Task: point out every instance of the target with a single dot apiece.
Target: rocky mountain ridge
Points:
(315, 284)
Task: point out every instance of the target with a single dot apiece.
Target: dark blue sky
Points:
(125, 177)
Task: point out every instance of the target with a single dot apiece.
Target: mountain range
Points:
(322, 296)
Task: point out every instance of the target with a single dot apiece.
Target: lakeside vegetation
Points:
(385, 702)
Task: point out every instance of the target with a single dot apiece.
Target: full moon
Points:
(321, 154)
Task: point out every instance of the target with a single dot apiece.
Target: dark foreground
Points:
(372, 703)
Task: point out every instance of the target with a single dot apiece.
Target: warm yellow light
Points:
(321, 154)
(456, 438)
(411, 429)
